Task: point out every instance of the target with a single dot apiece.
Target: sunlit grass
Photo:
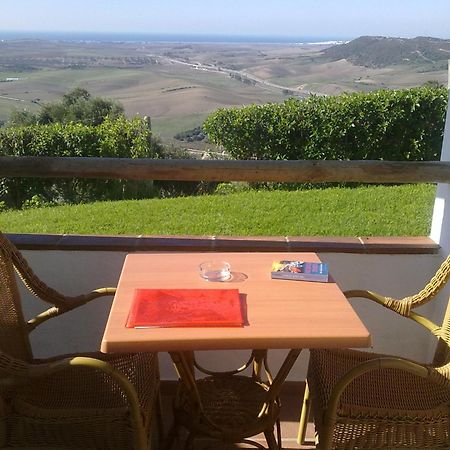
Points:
(364, 211)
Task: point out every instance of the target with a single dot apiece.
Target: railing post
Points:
(440, 227)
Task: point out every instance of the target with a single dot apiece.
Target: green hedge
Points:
(119, 138)
(386, 124)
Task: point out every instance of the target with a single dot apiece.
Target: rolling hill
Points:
(379, 52)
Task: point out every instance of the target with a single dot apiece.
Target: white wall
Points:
(81, 330)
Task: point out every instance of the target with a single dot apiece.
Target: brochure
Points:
(300, 270)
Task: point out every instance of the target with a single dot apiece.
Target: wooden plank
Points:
(379, 245)
(300, 171)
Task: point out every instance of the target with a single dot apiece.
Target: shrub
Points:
(390, 125)
(120, 138)
(196, 134)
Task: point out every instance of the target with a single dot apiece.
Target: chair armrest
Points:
(400, 306)
(21, 372)
(39, 288)
(17, 372)
(441, 375)
(361, 293)
(61, 303)
(361, 369)
(404, 305)
(75, 302)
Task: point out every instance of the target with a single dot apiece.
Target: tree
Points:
(22, 118)
(76, 95)
(433, 84)
(77, 106)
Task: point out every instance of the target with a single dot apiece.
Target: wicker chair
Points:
(72, 401)
(363, 400)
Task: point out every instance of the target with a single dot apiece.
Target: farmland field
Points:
(178, 85)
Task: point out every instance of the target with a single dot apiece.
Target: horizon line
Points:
(297, 38)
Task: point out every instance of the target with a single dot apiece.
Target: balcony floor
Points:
(291, 398)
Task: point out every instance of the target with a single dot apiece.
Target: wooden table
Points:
(281, 314)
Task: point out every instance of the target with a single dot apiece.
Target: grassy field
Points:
(364, 211)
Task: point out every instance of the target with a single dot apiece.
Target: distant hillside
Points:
(378, 51)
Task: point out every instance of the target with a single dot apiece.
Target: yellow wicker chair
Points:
(362, 400)
(73, 401)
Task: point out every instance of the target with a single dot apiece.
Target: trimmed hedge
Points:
(119, 138)
(382, 125)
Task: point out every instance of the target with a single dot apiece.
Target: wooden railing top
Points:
(320, 244)
(299, 171)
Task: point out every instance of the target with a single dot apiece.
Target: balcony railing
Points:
(311, 171)
(299, 171)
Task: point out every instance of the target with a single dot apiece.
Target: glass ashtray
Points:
(215, 270)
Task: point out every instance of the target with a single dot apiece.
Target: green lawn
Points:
(364, 211)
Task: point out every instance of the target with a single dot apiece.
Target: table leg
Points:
(185, 365)
(259, 358)
(285, 368)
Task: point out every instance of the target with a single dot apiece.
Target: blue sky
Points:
(338, 18)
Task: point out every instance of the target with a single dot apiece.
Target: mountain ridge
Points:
(382, 51)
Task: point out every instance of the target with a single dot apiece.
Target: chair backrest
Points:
(406, 306)
(442, 354)
(13, 330)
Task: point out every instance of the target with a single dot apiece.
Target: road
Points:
(242, 75)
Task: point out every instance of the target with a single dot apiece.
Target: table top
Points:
(280, 313)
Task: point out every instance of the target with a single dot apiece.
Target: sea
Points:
(78, 36)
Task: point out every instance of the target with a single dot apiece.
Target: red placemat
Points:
(185, 308)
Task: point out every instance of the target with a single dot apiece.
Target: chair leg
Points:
(189, 444)
(272, 443)
(280, 442)
(172, 434)
(304, 416)
(159, 415)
